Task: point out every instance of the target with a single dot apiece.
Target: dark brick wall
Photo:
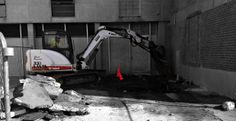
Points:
(218, 37)
(210, 38)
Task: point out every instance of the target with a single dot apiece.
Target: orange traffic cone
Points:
(118, 74)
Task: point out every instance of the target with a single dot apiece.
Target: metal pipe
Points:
(22, 50)
(6, 78)
(109, 55)
(65, 27)
(87, 33)
(6, 90)
(150, 38)
(130, 55)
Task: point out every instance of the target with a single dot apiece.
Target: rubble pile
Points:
(34, 95)
(43, 95)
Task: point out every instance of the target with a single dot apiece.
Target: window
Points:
(24, 30)
(130, 8)
(13, 30)
(76, 30)
(38, 30)
(56, 40)
(10, 30)
(63, 8)
(49, 26)
(73, 29)
(2, 8)
(141, 28)
(91, 30)
(54, 26)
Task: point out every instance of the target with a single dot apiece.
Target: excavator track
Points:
(80, 77)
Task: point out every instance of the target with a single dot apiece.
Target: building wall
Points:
(39, 11)
(34, 12)
(214, 79)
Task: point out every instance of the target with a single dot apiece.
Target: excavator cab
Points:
(58, 41)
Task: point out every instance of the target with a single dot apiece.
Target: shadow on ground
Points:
(149, 88)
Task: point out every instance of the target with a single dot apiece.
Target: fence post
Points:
(6, 52)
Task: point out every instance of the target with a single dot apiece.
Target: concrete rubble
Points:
(49, 83)
(69, 107)
(34, 95)
(69, 101)
(44, 94)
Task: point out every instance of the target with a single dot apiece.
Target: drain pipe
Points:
(6, 52)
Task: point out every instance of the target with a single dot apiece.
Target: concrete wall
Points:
(39, 11)
(222, 82)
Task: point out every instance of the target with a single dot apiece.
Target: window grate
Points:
(129, 8)
(63, 8)
(2, 9)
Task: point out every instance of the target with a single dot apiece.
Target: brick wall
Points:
(210, 38)
(218, 43)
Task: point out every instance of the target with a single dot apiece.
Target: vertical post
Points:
(43, 27)
(31, 35)
(65, 27)
(6, 89)
(22, 50)
(87, 35)
(6, 52)
(150, 38)
(109, 55)
(130, 54)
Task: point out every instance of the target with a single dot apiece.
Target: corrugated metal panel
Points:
(118, 51)
(218, 44)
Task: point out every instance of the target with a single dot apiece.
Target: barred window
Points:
(63, 8)
(129, 8)
(2, 8)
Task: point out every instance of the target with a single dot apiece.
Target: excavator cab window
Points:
(58, 41)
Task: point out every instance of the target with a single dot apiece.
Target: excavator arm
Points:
(87, 56)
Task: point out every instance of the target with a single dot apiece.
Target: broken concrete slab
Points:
(173, 96)
(74, 93)
(52, 91)
(50, 84)
(68, 98)
(33, 116)
(69, 107)
(45, 79)
(34, 95)
(12, 113)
